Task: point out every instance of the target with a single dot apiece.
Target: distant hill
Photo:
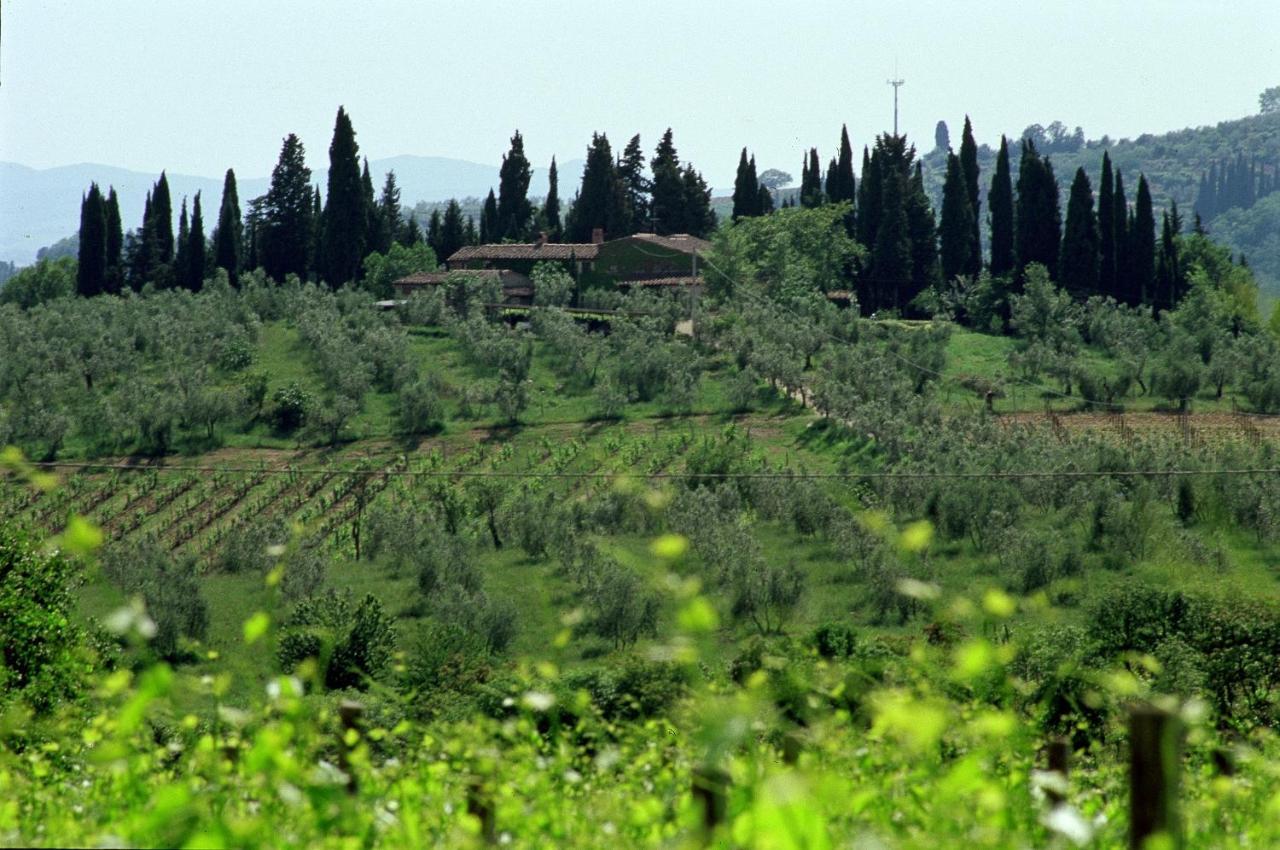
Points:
(39, 207)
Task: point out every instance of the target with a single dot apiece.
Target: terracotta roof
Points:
(527, 251)
(682, 242)
(664, 281)
(436, 278)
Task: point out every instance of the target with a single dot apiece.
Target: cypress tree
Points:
(635, 187)
(345, 229)
(869, 193)
(228, 244)
(115, 244)
(181, 265)
(388, 214)
(473, 237)
(514, 210)
(745, 195)
(1168, 273)
(922, 228)
(315, 247)
(412, 234)
(551, 206)
(139, 258)
(1000, 205)
(891, 256)
(1107, 231)
(667, 205)
(1120, 221)
(957, 223)
(601, 201)
(284, 243)
(372, 214)
(969, 169)
(700, 219)
(811, 181)
(489, 220)
(1142, 241)
(846, 188)
(829, 183)
(196, 247)
(91, 272)
(453, 233)
(162, 216)
(1038, 223)
(435, 233)
(765, 202)
(1078, 260)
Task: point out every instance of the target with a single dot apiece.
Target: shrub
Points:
(170, 589)
(290, 405)
(351, 642)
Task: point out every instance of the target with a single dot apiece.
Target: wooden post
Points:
(1058, 756)
(480, 807)
(792, 747)
(711, 791)
(349, 714)
(1155, 750)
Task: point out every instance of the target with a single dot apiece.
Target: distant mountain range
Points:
(40, 206)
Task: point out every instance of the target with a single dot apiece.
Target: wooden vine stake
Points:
(1058, 758)
(1155, 752)
(711, 791)
(480, 806)
(349, 714)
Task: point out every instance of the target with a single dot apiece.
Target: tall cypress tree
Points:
(346, 207)
(515, 213)
(764, 203)
(388, 214)
(1168, 273)
(115, 244)
(435, 233)
(869, 192)
(922, 228)
(1038, 223)
(284, 243)
(162, 216)
(601, 202)
(957, 223)
(1142, 245)
(91, 273)
(969, 170)
(372, 215)
(811, 181)
(196, 247)
(846, 188)
(1000, 205)
(667, 205)
(140, 249)
(1078, 260)
(1120, 222)
(700, 219)
(831, 181)
(891, 255)
(551, 206)
(228, 246)
(453, 233)
(489, 220)
(635, 187)
(180, 264)
(745, 195)
(315, 245)
(411, 234)
(1107, 231)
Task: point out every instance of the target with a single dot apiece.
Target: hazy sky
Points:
(199, 87)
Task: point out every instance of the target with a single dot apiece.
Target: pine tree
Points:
(970, 172)
(667, 205)
(489, 220)
(601, 201)
(1000, 205)
(412, 234)
(285, 238)
(515, 213)
(1038, 223)
(115, 244)
(91, 272)
(1120, 221)
(196, 248)
(746, 188)
(1142, 245)
(473, 238)
(957, 223)
(346, 210)
(811, 182)
(1078, 260)
(1107, 231)
(388, 214)
(453, 234)
(551, 206)
(228, 249)
(700, 219)
(181, 266)
(635, 187)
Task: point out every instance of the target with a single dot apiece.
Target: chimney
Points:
(597, 235)
(541, 240)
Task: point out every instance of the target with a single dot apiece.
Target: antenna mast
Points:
(897, 83)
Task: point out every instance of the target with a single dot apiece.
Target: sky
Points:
(197, 87)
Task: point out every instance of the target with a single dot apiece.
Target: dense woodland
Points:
(454, 574)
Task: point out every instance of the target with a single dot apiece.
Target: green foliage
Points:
(788, 254)
(351, 641)
(45, 281)
(170, 590)
(382, 270)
